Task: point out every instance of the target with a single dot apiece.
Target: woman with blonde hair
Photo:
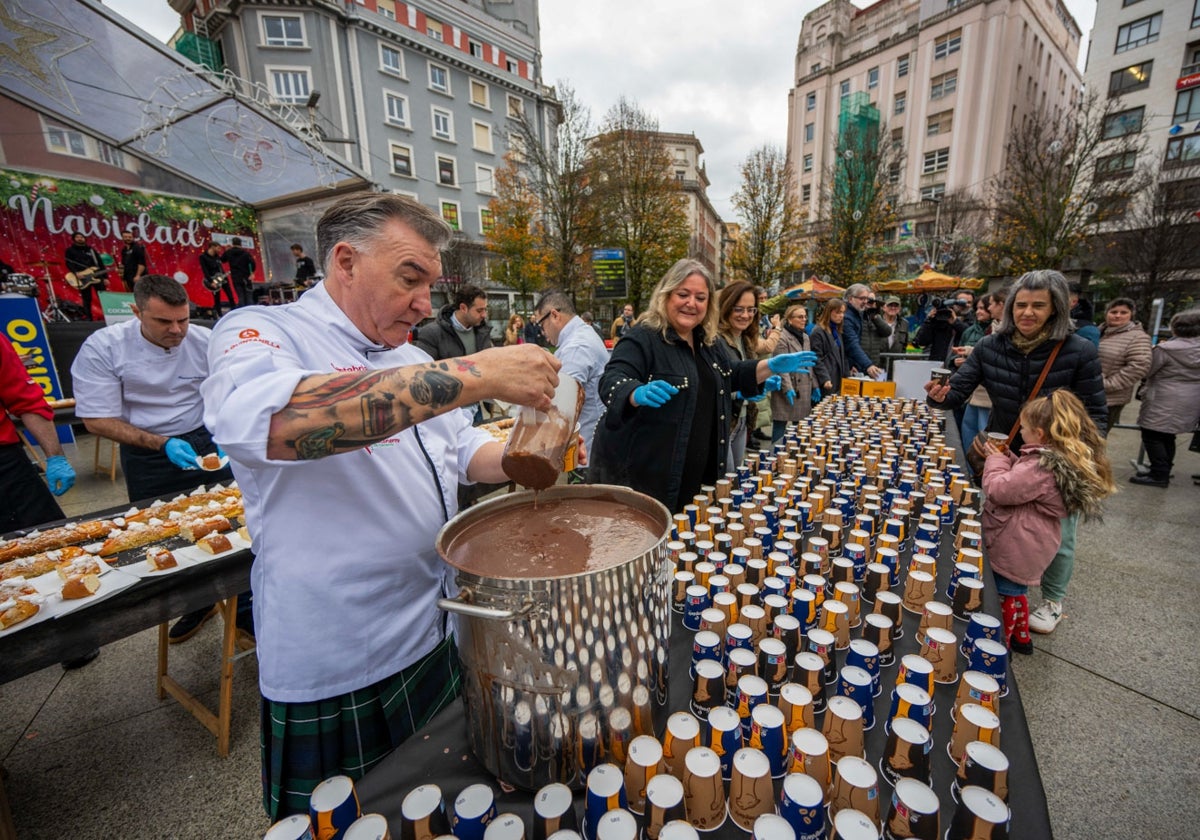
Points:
(793, 401)
(668, 393)
(514, 333)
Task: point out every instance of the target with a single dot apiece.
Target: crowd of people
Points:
(359, 387)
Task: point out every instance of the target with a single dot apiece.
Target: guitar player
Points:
(84, 262)
(215, 278)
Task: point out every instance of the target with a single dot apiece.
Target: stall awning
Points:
(82, 64)
(929, 281)
(814, 288)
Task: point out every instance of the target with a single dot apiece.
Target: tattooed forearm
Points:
(434, 389)
(378, 413)
(337, 389)
(317, 443)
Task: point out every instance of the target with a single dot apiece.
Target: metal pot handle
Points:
(459, 605)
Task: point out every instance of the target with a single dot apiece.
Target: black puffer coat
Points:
(440, 339)
(646, 448)
(1008, 376)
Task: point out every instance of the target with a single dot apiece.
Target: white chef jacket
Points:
(345, 577)
(583, 356)
(118, 373)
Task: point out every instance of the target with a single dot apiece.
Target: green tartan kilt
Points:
(305, 743)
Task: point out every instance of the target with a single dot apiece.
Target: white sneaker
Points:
(1046, 617)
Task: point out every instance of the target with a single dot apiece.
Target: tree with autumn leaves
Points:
(768, 247)
(522, 258)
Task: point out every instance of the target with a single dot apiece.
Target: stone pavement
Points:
(1112, 698)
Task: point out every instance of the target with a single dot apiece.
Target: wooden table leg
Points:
(163, 641)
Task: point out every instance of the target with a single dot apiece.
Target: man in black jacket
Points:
(215, 279)
(241, 267)
(133, 259)
(461, 327)
(1037, 317)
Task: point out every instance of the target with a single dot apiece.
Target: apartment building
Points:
(421, 96)
(1147, 52)
(948, 78)
(703, 222)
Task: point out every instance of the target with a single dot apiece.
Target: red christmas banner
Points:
(39, 214)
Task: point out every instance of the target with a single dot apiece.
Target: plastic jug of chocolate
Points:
(537, 446)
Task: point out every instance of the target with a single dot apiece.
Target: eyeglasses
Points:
(744, 310)
(542, 320)
(872, 300)
(861, 297)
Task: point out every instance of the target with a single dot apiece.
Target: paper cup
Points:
(423, 814)
(914, 812)
(333, 806)
(682, 733)
(664, 803)
(855, 786)
(703, 789)
(906, 755)
(294, 827)
(974, 723)
(982, 765)
(605, 791)
(843, 728)
(751, 793)
(617, 824)
(981, 815)
(801, 805)
(643, 763)
(509, 826)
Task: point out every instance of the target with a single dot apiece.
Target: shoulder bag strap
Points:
(1036, 387)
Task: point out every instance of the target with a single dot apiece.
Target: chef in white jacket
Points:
(348, 449)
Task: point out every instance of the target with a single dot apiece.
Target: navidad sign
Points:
(39, 214)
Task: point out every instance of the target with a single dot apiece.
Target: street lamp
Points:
(937, 220)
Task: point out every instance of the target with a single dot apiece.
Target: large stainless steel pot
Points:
(559, 673)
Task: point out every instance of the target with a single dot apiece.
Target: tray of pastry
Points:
(499, 429)
(74, 585)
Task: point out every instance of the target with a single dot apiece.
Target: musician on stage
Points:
(241, 267)
(84, 262)
(133, 260)
(215, 278)
(306, 270)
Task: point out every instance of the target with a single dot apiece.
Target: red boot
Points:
(1009, 608)
(1019, 640)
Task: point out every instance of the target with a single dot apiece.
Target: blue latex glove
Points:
(791, 397)
(816, 395)
(772, 383)
(757, 399)
(180, 453)
(59, 474)
(654, 394)
(801, 362)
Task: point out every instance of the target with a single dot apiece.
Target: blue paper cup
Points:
(768, 734)
(333, 806)
(605, 792)
(855, 683)
(801, 803)
(725, 736)
(991, 657)
(912, 702)
(474, 808)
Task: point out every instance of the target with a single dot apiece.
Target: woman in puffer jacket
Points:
(1124, 355)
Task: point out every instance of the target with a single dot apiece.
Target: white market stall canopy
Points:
(82, 64)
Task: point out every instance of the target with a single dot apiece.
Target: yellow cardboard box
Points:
(879, 389)
(852, 387)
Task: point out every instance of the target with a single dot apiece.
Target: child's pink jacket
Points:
(1022, 514)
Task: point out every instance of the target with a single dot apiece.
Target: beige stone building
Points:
(949, 79)
(703, 222)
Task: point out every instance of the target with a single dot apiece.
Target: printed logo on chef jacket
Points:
(250, 336)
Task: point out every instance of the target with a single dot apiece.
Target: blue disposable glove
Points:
(654, 394)
(59, 474)
(772, 383)
(816, 395)
(791, 396)
(757, 399)
(180, 453)
(801, 362)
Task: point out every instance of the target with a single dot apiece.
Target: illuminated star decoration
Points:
(245, 145)
(31, 48)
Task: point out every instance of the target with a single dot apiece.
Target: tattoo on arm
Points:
(338, 389)
(378, 413)
(434, 389)
(317, 443)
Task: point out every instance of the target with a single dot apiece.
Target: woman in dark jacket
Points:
(737, 335)
(1037, 317)
(668, 393)
(826, 342)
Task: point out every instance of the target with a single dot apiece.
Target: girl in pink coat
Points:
(1062, 469)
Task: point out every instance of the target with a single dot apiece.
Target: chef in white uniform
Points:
(138, 383)
(348, 449)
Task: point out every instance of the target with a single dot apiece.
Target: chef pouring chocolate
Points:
(349, 444)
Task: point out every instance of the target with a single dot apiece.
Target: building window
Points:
(943, 85)
(1182, 151)
(1196, 14)
(447, 171)
(806, 193)
(1124, 122)
(933, 192)
(439, 78)
(844, 89)
(516, 146)
(435, 29)
(936, 161)
(1118, 165)
(487, 222)
(816, 68)
(939, 123)
(66, 141)
(290, 84)
(898, 137)
(901, 102)
(387, 8)
(391, 60)
(948, 44)
(808, 163)
(402, 160)
(902, 67)
(810, 100)
(282, 30)
(1139, 33)
(443, 123)
(485, 179)
(873, 78)
(1187, 106)
(1125, 3)
(481, 135)
(512, 66)
(396, 107)
(481, 95)
(110, 155)
(1128, 79)
(450, 214)
(894, 172)
(516, 107)
(809, 132)
(475, 48)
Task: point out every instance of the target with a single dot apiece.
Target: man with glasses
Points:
(857, 298)
(583, 356)
(884, 331)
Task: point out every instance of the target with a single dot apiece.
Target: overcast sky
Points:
(721, 71)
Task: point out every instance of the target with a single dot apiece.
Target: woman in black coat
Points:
(668, 393)
(826, 341)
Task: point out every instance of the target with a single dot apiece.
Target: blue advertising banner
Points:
(23, 326)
